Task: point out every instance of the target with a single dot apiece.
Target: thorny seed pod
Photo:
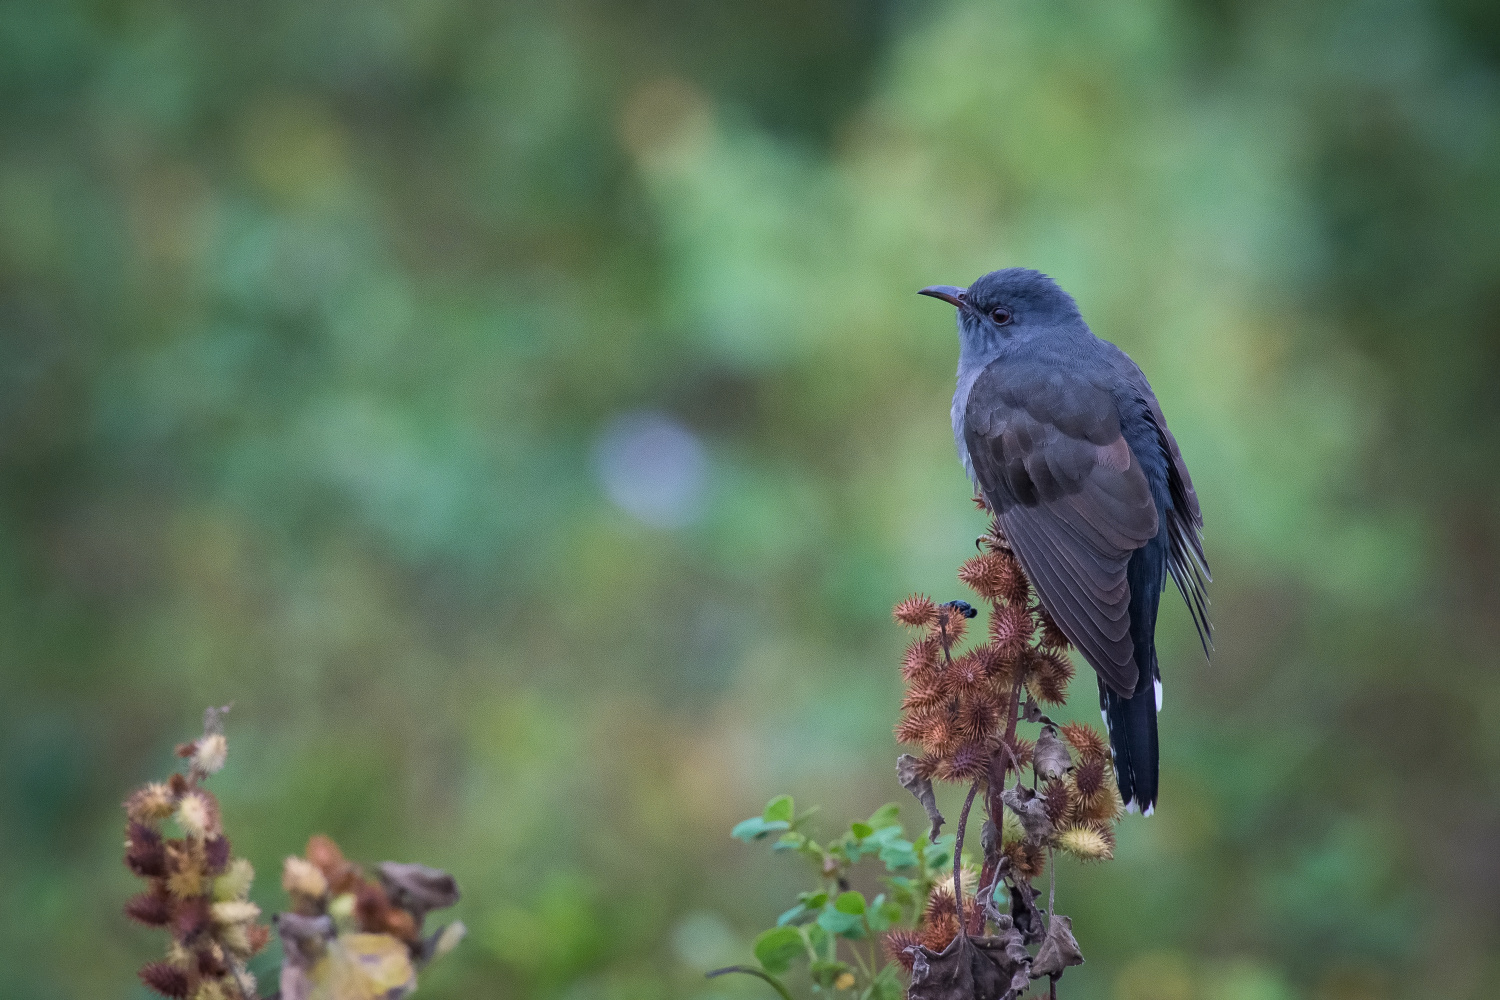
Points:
(896, 945)
(990, 575)
(923, 697)
(916, 610)
(197, 814)
(1027, 859)
(967, 762)
(941, 734)
(1052, 637)
(921, 661)
(150, 909)
(151, 804)
(1045, 688)
(1088, 780)
(1048, 676)
(168, 980)
(1085, 843)
(928, 766)
(1016, 751)
(914, 727)
(1011, 627)
(187, 871)
(966, 677)
(948, 625)
(1057, 801)
(144, 853)
(940, 902)
(978, 718)
(1089, 744)
(304, 882)
(1106, 807)
(209, 754)
(938, 935)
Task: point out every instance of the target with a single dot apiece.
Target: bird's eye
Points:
(1000, 315)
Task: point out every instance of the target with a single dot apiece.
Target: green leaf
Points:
(813, 900)
(817, 937)
(887, 984)
(887, 815)
(940, 855)
(824, 973)
(850, 902)
(789, 841)
(882, 914)
(775, 948)
(756, 828)
(861, 830)
(792, 915)
(836, 921)
(779, 810)
(898, 854)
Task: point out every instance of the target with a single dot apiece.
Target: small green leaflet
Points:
(775, 949)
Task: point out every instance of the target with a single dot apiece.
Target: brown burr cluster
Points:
(195, 889)
(958, 704)
(962, 708)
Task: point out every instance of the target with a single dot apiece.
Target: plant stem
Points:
(958, 848)
(758, 974)
(1052, 893)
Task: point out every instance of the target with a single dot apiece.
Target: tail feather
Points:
(1131, 723)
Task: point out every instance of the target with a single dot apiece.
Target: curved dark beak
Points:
(950, 294)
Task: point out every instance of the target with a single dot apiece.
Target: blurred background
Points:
(524, 414)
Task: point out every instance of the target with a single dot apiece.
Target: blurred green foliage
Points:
(316, 318)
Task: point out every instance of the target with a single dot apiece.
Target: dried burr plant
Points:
(195, 889)
(1051, 792)
(347, 936)
(974, 708)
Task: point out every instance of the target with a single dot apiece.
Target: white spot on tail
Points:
(1157, 684)
(1131, 807)
(1149, 810)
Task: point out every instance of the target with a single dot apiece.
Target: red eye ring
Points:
(1000, 315)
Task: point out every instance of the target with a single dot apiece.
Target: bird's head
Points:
(1014, 302)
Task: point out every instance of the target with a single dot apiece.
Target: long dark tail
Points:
(1131, 723)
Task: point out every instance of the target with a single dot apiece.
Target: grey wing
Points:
(1074, 502)
(1185, 559)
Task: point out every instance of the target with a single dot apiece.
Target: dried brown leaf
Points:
(1059, 950)
(908, 772)
(971, 968)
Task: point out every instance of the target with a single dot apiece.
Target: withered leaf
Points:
(1051, 758)
(354, 967)
(1030, 811)
(1058, 951)
(303, 939)
(911, 779)
(417, 889)
(971, 968)
(1023, 912)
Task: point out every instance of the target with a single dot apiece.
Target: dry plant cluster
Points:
(347, 936)
(965, 708)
